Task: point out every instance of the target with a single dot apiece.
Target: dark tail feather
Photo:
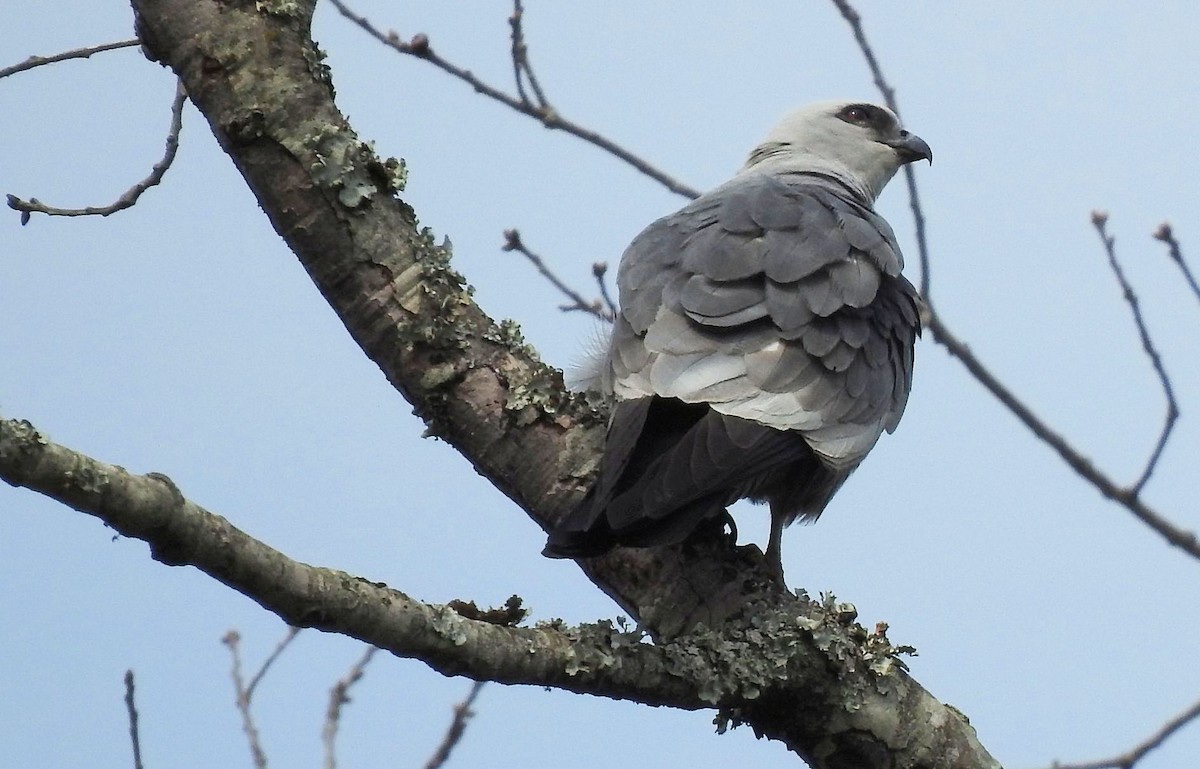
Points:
(580, 534)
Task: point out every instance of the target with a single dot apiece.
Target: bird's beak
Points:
(911, 147)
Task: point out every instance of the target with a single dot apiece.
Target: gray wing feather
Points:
(777, 299)
(713, 303)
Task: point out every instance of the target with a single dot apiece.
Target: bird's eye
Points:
(858, 114)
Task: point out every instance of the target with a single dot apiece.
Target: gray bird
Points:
(764, 341)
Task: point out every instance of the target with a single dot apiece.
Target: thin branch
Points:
(246, 693)
(522, 70)
(131, 195)
(1166, 235)
(288, 637)
(419, 47)
(1129, 759)
(1100, 221)
(512, 242)
(1128, 498)
(76, 53)
(696, 671)
(889, 97)
(231, 640)
(1181, 538)
(599, 271)
(458, 726)
(339, 696)
(131, 708)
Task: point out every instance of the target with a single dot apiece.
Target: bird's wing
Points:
(668, 466)
(777, 299)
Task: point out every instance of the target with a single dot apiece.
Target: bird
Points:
(763, 341)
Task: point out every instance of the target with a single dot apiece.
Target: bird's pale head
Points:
(858, 143)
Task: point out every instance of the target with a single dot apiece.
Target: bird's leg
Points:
(774, 554)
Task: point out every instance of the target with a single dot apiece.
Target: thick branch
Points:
(181, 533)
(773, 672)
(254, 73)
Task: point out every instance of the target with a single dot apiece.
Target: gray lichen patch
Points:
(834, 629)
(285, 9)
(596, 646)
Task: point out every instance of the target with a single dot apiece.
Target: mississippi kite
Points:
(764, 341)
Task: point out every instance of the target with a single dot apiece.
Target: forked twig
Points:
(419, 47)
(522, 70)
(131, 195)
(513, 242)
(75, 53)
(458, 726)
(600, 271)
(1100, 222)
(339, 696)
(1127, 498)
(245, 693)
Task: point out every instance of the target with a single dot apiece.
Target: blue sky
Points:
(182, 337)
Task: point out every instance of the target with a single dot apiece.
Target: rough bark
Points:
(795, 670)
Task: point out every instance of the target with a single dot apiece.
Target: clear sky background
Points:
(183, 337)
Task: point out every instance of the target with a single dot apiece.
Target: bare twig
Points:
(1127, 498)
(1166, 235)
(1130, 758)
(1181, 538)
(855, 21)
(288, 637)
(246, 693)
(1100, 221)
(339, 696)
(131, 708)
(512, 242)
(231, 640)
(522, 70)
(131, 195)
(75, 53)
(600, 270)
(889, 96)
(462, 712)
(419, 47)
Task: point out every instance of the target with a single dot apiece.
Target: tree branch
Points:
(1100, 222)
(522, 70)
(1181, 538)
(543, 112)
(458, 727)
(131, 195)
(131, 710)
(1126, 497)
(75, 53)
(797, 671)
(910, 178)
(1130, 758)
(339, 695)
(1166, 235)
(513, 242)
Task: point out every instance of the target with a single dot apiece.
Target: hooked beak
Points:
(910, 147)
